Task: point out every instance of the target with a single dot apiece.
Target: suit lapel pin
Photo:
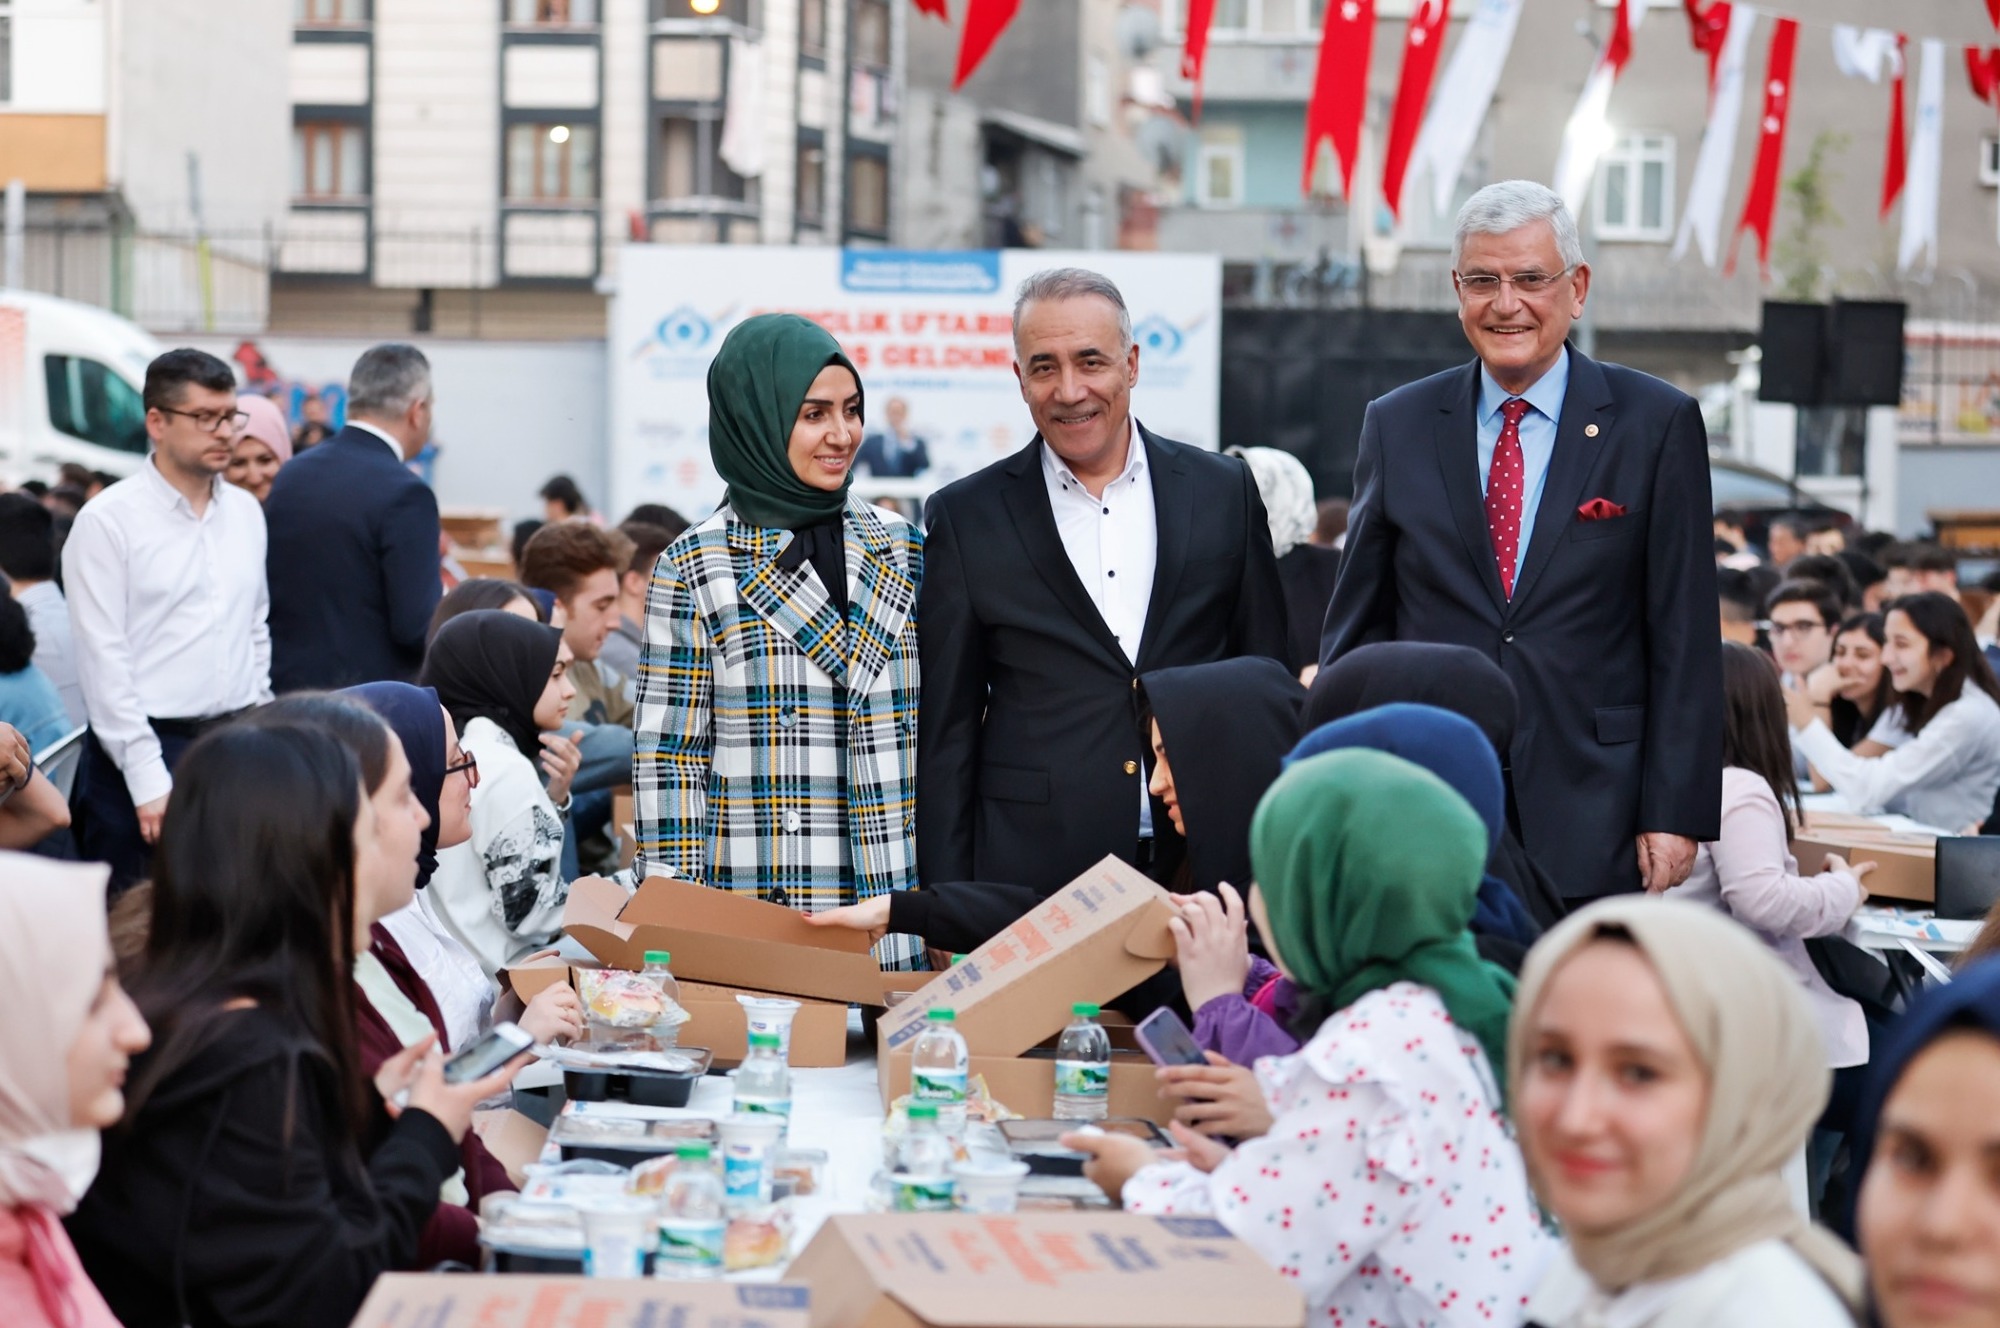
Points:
(1590, 431)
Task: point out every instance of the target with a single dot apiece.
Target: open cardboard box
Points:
(622, 820)
(720, 937)
(425, 1300)
(1039, 1270)
(716, 1019)
(1905, 865)
(1093, 940)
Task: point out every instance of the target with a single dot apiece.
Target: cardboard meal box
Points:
(621, 826)
(1905, 865)
(1093, 940)
(1039, 1270)
(1841, 822)
(427, 1300)
(720, 937)
(716, 1019)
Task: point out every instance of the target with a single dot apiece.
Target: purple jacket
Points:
(1233, 1027)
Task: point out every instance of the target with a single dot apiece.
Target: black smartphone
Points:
(488, 1053)
(1166, 1039)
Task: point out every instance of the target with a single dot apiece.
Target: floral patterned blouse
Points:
(1389, 1187)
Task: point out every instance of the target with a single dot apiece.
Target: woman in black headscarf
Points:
(501, 677)
(1454, 678)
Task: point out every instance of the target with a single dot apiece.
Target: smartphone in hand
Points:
(488, 1053)
(1166, 1039)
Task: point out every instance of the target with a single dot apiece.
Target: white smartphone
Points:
(488, 1053)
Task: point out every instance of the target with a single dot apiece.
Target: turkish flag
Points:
(1423, 42)
(1762, 203)
(935, 8)
(1983, 68)
(985, 20)
(1340, 88)
(1194, 51)
(1708, 27)
(1894, 162)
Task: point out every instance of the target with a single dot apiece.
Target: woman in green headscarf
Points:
(776, 728)
(1388, 1186)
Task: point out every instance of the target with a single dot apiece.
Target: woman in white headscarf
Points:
(57, 983)
(1305, 569)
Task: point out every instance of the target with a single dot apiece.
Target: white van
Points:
(70, 381)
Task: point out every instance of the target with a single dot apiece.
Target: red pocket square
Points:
(1599, 509)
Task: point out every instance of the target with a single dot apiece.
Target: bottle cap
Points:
(923, 1111)
(764, 1040)
(1086, 1009)
(958, 959)
(691, 1150)
(942, 1016)
(662, 957)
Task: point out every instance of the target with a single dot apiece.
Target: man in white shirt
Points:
(28, 561)
(1055, 579)
(165, 573)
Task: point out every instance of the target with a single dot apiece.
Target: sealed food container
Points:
(639, 1083)
(624, 1141)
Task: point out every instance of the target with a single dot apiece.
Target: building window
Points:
(736, 11)
(1989, 157)
(812, 29)
(1635, 189)
(551, 163)
(329, 161)
(1234, 17)
(691, 164)
(868, 194)
(1218, 178)
(551, 13)
(812, 184)
(870, 43)
(329, 13)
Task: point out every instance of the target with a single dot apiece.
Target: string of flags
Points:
(1437, 142)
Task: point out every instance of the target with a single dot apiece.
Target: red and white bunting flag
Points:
(1423, 43)
(985, 20)
(935, 8)
(1340, 88)
(1894, 160)
(1194, 50)
(1446, 139)
(1584, 137)
(1761, 204)
(1708, 27)
(1983, 69)
(1993, 11)
(1708, 190)
(1920, 191)
(1876, 54)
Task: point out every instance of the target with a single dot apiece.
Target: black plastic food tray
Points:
(648, 1088)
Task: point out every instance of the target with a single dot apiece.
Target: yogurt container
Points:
(771, 1014)
(988, 1185)
(748, 1141)
(618, 1233)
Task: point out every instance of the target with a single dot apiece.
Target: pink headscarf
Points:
(267, 425)
(53, 951)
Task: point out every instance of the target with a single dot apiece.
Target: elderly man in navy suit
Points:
(354, 545)
(1553, 513)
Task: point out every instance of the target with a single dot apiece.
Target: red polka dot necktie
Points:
(1503, 492)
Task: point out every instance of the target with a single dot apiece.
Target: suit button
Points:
(1131, 767)
(1507, 637)
(792, 822)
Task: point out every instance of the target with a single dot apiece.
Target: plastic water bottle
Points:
(1083, 1068)
(692, 1221)
(667, 1030)
(764, 1081)
(938, 1072)
(923, 1181)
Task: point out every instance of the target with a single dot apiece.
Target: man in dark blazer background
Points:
(1553, 513)
(353, 564)
(1052, 581)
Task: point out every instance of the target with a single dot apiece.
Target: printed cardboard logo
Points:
(680, 344)
(1158, 336)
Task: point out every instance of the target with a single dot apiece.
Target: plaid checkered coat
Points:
(775, 741)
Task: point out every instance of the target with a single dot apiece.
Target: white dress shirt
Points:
(1113, 543)
(55, 654)
(1945, 776)
(169, 615)
(383, 434)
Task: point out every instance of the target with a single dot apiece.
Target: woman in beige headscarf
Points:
(60, 994)
(264, 445)
(1664, 1069)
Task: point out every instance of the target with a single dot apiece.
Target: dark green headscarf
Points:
(755, 387)
(1369, 867)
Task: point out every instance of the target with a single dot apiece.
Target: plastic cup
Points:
(988, 1186)
(748, 1141)
(618, 1232)
(770, 1014)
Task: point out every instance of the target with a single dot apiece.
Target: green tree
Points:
(1802, 249)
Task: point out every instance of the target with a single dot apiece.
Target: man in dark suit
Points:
(894, 453)
(353, 564)
(1052, 581)
(1553, 513)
